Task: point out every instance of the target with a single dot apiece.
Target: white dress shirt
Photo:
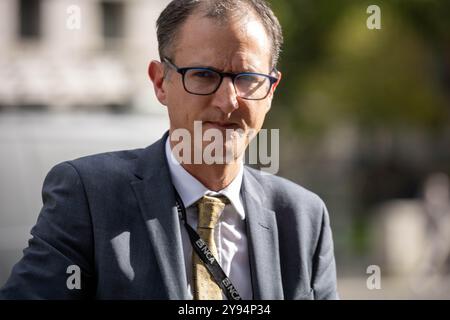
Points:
(229, 234)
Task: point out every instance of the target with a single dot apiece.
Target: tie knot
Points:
(209, 209)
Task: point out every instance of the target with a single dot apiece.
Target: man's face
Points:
(237, 45)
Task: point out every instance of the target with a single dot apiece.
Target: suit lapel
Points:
(262, 234)
(154, 192)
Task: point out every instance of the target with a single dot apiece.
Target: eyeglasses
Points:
(206, 81)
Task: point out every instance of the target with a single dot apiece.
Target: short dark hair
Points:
(177, 12)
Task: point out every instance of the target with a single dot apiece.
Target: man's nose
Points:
(225, 97)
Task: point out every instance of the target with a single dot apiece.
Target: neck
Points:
(213, 177)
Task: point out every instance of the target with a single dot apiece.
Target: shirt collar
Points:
(190, 189)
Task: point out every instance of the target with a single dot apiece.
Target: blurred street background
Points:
(364, 119)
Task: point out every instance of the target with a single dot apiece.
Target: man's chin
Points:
(224, 153)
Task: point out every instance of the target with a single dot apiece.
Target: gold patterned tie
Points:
(209, 210)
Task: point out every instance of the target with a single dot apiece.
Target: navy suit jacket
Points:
(114, 216)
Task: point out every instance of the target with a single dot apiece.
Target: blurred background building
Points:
(83, 54)
(69, 90)
(364, 119)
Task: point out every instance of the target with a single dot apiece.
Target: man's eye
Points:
(248, 78)
(203, 74)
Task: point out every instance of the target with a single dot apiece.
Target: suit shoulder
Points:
(285, 193)
(108, 160)
(109, 164)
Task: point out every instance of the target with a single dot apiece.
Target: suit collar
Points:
(152, 160)
(262, 233)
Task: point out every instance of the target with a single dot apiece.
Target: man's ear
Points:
(274, 87)
(279, 76)
(156, 74)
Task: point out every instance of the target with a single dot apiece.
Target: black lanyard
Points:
(202, 250)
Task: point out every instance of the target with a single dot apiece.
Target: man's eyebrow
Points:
(200, 65)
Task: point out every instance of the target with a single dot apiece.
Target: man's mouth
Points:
(221, 125)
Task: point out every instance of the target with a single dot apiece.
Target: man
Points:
(152, 223)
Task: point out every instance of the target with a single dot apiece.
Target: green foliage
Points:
(336, 70)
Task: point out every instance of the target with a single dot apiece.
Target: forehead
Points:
(230, 44)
